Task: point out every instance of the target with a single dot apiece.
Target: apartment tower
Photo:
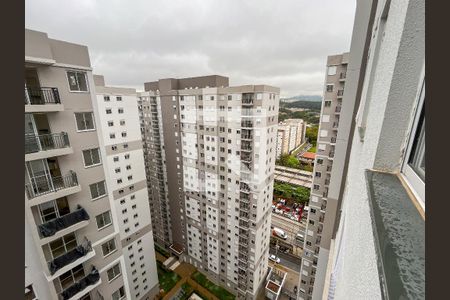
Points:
(72, 237)
(119, 128)
(317, 240)
(214, 148)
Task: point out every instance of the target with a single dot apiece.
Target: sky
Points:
(283, 43)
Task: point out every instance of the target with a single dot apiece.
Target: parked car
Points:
(279, 233)
(274, 258)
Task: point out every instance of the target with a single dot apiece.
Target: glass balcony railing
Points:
(91, 279)
(69, 257)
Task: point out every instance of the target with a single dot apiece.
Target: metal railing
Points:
(41, 185)
(43, 142)
(41, 95)
(51, 227)
(69, 257)
(90, 279)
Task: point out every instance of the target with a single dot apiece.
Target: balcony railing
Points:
(343, 75)
(338, 109)
(43, 142)
(246, 136)
(91, 279)
(340, 93)
(247, 124)
(41, 185)
(50, 228)
(40, 96)
(247, 100)
(69, 257)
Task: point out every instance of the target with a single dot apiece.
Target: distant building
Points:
(291, 134)
(308, 157)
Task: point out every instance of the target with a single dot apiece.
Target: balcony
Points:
(82, 287)
(247, 124)
(247, 100)
(69, 260)
(333, 140)
(340, 93)
(51, 228)
(42, 99)
(342, 76)
(338, 109)
(46, 145)
(45, 188)
(246, 137)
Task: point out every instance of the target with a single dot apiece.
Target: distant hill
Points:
(309, 98)
(312, 105)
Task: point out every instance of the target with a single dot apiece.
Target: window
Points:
(112, 135)
(103, 219)
(113, 272)
(413, 168)
(124, 134)
(119, 98)
(330, 87)
(77, 81)
(106, 98)
(98, 189)
(120, 110)
(108, 111)
(91, 157)
(122, 122)
(85, 121)
(110, 123)
(332, 70)
(119, 294)
(108, 247)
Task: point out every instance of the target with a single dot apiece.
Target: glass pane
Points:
(87, 158)
(100, 221)
(63, 206)
(417, 157)
(101, 188)
(80, 121)
(95, 156)
(94, 192)
(48, 211)
(88, 120)
(72, 81)
(107, 218)
(82, 84)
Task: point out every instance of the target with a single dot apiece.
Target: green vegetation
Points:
(291, 161)
(298, 194)
(218, 291)
(161, 251)
(312, 117)
(311, 135)
(313, 105)
(313, 149)
(167, 279)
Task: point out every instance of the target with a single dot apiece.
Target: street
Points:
(287, 260)
(290, 227)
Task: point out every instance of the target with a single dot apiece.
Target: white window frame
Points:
(115, 275)
(76, 123)
(99, 157)
(101, 196)
(414, 182)
(117, 294)
(102, 215)
(85, 77)
(111, 251)
(331, 68)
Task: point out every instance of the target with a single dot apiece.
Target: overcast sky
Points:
(282, 43)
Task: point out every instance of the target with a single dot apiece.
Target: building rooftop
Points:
(309, 155)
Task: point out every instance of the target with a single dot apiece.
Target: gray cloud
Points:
(282, 43)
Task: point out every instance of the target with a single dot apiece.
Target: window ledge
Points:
(399, 233)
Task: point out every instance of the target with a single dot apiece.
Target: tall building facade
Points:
(291, 134)
(218, 144)
(317, 240)
(73, 242)
(119, 128)
(376, 202)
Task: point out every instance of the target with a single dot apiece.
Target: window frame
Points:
(115, 275)
(85, 77)
(99, 157)
(410, 176)
(118, 292)
(93, 121)
(103, 218)
(101, 196)
(111, 251)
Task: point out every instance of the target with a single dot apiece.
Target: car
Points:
(274, 259)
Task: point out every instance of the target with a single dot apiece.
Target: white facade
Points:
(118, 117)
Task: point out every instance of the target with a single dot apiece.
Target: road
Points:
(289, 226)
(287, 260)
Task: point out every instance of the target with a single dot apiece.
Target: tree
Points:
(311, 134)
